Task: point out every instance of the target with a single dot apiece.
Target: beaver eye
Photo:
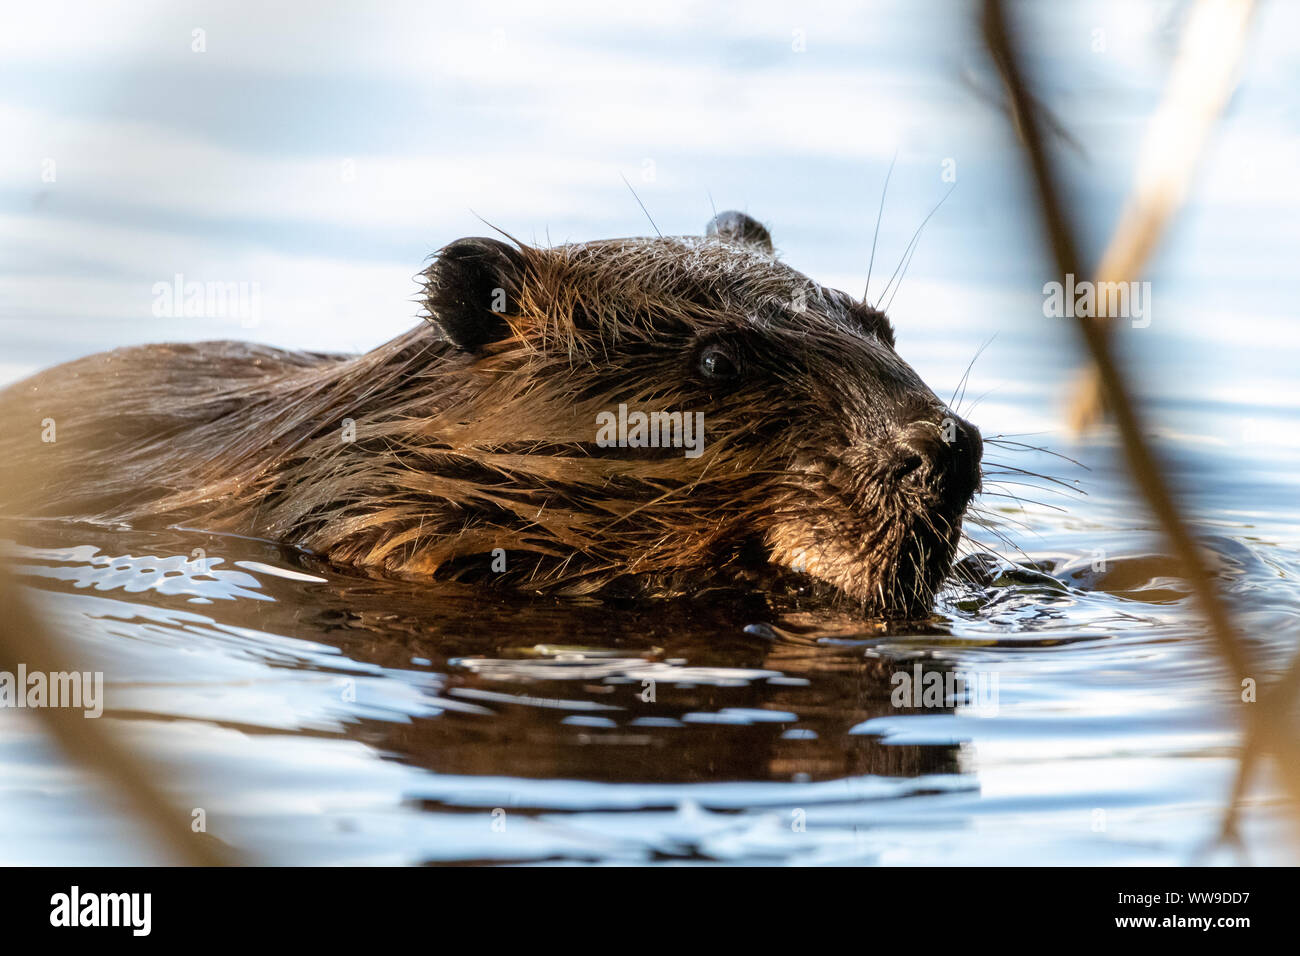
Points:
(718, 365)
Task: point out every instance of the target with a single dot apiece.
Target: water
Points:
(320, 716)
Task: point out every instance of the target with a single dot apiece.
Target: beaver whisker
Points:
(1060, 482)
(961, 383)
(1000, 482)
(468, 447)
(966, 410)
(1006, 543)
(1023, 501)
(1004, 442)
(979, 513)
(884, 190)
(909, 252)
(1002, 539)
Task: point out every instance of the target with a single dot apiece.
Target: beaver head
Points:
(585, 369)
(660, 415)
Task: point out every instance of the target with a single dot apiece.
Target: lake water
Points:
(320, 716)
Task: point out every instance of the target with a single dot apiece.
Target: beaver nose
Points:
(942, 457)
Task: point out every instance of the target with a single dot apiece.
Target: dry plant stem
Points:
(23, 638)
(1200, 83)
(1268, 730)
(1141, 461)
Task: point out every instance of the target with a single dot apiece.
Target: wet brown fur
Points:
(459, 451)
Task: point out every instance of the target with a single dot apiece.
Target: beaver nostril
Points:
(908, 465)
(943, 457)
(914, 458)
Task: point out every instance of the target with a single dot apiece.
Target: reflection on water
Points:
(322, 717)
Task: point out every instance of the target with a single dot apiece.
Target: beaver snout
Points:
(466, 450)
(940, 458)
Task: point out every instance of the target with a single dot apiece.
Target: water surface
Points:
(317, 715)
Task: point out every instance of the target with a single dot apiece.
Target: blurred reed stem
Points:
(90, 745)
(1265, 724)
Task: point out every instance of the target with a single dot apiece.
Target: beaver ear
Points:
(470, 286)
(737, 227)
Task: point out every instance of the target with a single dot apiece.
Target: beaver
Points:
(505, 438)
